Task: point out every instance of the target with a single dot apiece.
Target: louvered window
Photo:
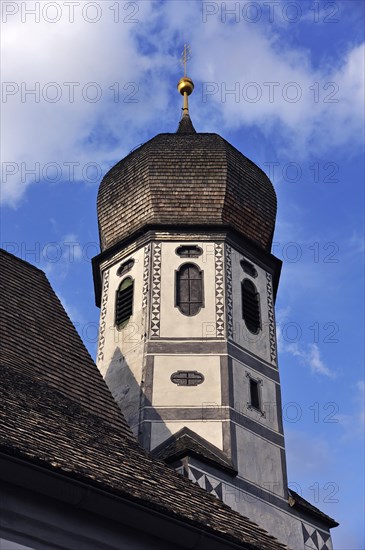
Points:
(124, 302)
(189, 289)
(251, 306)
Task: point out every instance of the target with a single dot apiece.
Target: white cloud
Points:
(308, 354)
(58, 257)
(145, 53)
(72, 242)
(38, 131)
(353, 423)
(316, 363)
(356, 244)
(233, 55)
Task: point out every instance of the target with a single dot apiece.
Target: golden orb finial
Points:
(185, 84)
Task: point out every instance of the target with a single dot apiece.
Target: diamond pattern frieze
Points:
(146, 269)
(219, 289)
(270, 305)
(229, 291)
(156, 290)
(314, 539)
(103, 312)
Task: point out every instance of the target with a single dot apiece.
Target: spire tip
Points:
(185, 84)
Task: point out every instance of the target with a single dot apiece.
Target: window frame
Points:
(255, 400)
(248, 268)
(125, 267)
(202, 302)
(259, 382)
(124, 323)
(195, 376)
(257, 295)
(191, 251)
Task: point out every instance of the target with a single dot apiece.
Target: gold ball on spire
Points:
(185, 84)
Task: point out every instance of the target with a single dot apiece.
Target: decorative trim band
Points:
(103, 316)
(156, 290)
(146, 269)
(219, 289)
(229, 291)
(270, 304)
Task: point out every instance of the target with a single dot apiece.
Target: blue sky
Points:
(104, 80)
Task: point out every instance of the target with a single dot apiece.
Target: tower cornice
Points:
(178, 233)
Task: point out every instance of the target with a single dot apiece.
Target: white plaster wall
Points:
(173, 323)
(259, 460)
(241, 392)
(123, 350)
(210, 430)
(168, 394)
(129, 338)
(259, 344)
(280, 523)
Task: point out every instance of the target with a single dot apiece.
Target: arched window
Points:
(124, 302)
(251, 306)
(189, 289)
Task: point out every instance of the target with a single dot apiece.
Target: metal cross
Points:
(185, 56)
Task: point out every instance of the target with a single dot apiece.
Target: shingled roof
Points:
(38, 338)
(57, 413)
(299, 502)
(186, 179)
(185, 442)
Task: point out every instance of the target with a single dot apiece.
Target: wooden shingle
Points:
(186, 178)
(57, 414)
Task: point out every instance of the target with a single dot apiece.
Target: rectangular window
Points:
(255, 394)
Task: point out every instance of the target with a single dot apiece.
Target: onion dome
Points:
(186, 178)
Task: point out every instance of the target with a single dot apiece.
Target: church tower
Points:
(187, 341)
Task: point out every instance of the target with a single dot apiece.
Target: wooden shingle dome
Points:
(186, 179)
